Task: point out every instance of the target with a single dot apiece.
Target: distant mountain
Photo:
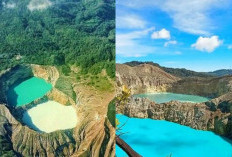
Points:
(135, 63)
(222, 72)
(179, 72)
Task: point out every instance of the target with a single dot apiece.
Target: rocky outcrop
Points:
(48, 73)
(208, 87)
(198, 116)
(143, 78)
(60, 97)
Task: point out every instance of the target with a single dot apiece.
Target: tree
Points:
(66, 70)
(59, 59)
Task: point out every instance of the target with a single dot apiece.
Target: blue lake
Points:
(156, 138)
(27, 91)
(166, 97)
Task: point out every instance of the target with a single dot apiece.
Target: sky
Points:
(195, 35)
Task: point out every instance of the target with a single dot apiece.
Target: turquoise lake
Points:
(27, 91)
(166, 97)
(156, 138)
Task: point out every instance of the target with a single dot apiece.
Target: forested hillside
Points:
(58, 32)
(222, 72)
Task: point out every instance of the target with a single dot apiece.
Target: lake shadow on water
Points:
(28, 121)
(26, 90)
(226, 139)
(12, 96)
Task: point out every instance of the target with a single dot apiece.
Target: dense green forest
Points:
(58, 32)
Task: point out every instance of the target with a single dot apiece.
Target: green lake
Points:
(24, 92)
(166, 97)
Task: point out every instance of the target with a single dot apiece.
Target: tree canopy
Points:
(79, 32)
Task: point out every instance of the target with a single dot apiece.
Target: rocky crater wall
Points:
(149, 79)
(208, 87)
(143, 78)
(85, 139)
(200, 116)
(11, 76)
(22, 72)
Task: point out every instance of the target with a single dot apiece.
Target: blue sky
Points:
(194, 34)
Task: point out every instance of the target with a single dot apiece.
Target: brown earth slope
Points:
(143, 78)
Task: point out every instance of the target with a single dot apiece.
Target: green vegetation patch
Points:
(63, 84)
(111, 112)
(6, 148)
(101, 83)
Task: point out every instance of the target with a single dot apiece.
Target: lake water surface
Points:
(166, 97)
(50, 116)
(156, 138)
(45, 117)
(25, 92)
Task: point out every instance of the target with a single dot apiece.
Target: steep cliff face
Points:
(92, 136)
(143, 78)
(48, 73)
(209, 87)
(60, 97)
(146, 78)
(198, 116)
(11, 76)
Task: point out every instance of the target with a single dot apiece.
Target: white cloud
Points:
(172, 42)
(129, 45)
(38, 5)
(191, 16)
(9, 5)
(208, 44)
(229, 46)
(130, 21)
(162, 34)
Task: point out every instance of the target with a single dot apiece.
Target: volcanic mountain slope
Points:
(179, 72)
(143, 78)
(147, 78)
